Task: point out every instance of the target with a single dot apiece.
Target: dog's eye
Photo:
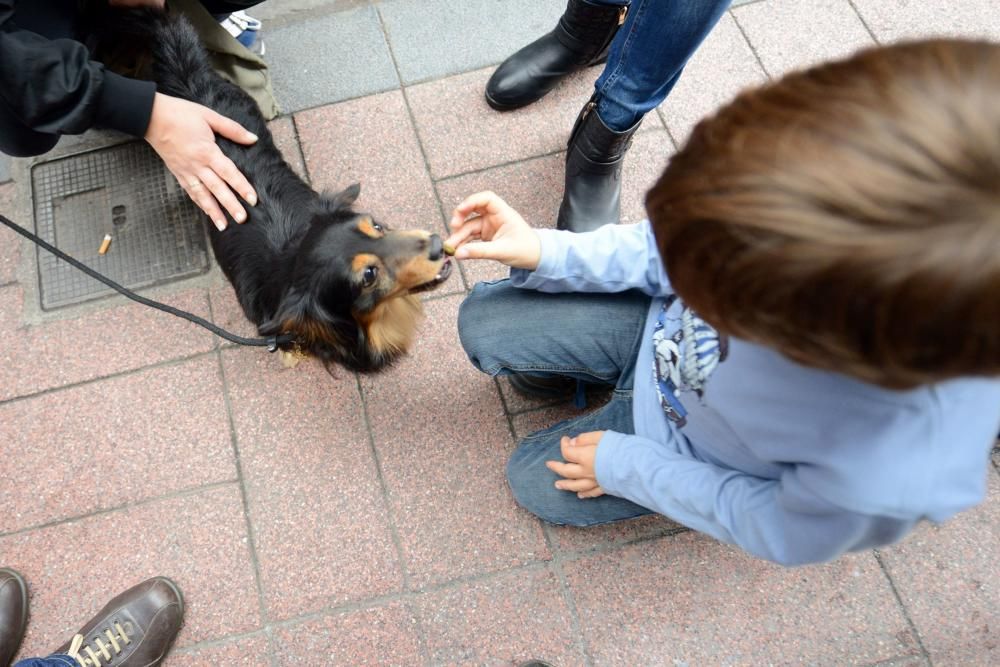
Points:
(377, 227)
(370, 276)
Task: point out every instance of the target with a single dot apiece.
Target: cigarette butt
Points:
(105, 244)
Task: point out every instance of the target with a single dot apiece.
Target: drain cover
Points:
(158, 235)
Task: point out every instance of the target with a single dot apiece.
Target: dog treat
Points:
(105, 244)
(449, 249)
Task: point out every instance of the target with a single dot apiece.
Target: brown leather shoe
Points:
(13, 613)
(135, 629)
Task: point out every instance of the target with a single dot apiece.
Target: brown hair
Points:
(849, 215)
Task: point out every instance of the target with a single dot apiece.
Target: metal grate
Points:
(158, 234)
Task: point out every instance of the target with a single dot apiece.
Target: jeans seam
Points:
(494, 370)
(620, 67)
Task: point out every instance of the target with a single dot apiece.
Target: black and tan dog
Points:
(303, 263)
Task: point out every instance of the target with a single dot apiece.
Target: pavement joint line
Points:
(397, 541)
(556, 567)
(746, 38)
(899, 660)
(416, 132)
(181, 493)
(174, 361)
(499, 165)
(245, 503)
(902, 605)
(861, 18)
(307, 177)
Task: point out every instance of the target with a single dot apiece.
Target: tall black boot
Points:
(580, 39)
(592, 195)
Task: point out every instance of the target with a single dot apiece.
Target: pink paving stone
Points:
(949, 581)
(118, 441)
(10, 242)
(371, 141)
(722, 66)
(461, 133)
(795, 34)
(226, 312)
(250, 651)
(443, 440)
(687, 599)
(503, 620)
(895, 20)
(386, 635)
(283, 132)
(317, 508)
(96, 344)
(198, 540)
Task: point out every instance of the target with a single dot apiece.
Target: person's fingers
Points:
(228, 172)
(577, 485)
(593, 493)
(482, 250)
(229, 128)
(588, 438)
(481, 202)
(465, 234)
(567, 470)
(201, 196)
(223, 195)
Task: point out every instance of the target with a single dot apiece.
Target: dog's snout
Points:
(436, 247)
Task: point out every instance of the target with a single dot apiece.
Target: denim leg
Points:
(587, 336)
(592, 337)
(648, 54)
(533, 484)
(57, 660)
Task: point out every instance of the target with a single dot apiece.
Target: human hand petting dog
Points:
(504, 235)
(578, 469)
(183, 134)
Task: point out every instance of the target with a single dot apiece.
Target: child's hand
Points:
(580, 453)
(505, 236)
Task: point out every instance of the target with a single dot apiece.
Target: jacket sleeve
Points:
(613, 258)
(53, 86)
(780, 520)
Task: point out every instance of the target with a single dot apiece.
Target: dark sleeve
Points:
(54, 87)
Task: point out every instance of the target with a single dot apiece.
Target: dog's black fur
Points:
(303, 263)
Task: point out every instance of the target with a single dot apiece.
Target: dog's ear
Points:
(291, 310)
(342, 200)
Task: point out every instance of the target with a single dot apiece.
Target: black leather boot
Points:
(13, 613)
(580, 39)
(592, 195)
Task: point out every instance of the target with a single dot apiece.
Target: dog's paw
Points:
(290, 359)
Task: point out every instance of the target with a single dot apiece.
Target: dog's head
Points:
(352, 295)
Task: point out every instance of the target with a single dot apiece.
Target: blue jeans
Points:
(591, 337)
(648, 54)
(56, 660)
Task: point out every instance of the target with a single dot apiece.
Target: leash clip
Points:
(272, 344)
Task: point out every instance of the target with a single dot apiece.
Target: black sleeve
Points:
(54, 87)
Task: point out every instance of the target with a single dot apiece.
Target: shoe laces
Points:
(93, 658)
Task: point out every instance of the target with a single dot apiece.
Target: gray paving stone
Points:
(4, 168)
(435, 38)
(329, 59)
(893, 20)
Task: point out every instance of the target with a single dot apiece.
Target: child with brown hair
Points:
(804, 338)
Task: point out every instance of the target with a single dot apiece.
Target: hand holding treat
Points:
(502, 233)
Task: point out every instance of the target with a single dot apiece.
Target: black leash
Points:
(270, 343)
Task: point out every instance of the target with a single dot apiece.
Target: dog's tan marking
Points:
(291, 359)
(360, 262)
(392, 325)
(308, 332)
(417, 271)
(367, 227)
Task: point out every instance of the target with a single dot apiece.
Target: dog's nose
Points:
(436, 248)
